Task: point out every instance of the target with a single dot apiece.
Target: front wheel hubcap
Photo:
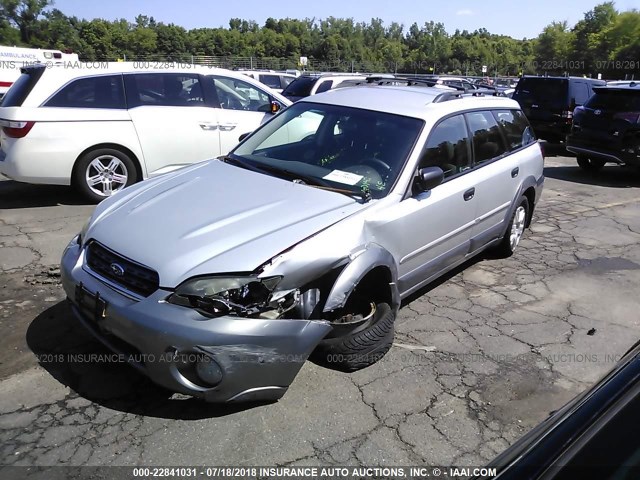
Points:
(517, 227)
(106, 175)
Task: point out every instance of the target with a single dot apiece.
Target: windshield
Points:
(615, 100)
(349, 150)
(300, 87)
(546, 91)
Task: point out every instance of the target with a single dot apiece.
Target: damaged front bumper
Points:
(223, 359)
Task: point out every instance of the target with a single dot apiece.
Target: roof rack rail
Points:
(455, 91)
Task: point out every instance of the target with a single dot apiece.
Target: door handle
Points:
(468, 195)
(208, 126)
(514, 172)
(227, 127)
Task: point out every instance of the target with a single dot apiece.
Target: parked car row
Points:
(598, 121)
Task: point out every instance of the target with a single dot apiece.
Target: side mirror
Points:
(243, 136)
(430, 177)
(276, 106)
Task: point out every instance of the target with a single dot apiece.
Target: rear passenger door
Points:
(175, 123)
(499, 139)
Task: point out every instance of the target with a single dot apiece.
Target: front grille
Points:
(122, 271)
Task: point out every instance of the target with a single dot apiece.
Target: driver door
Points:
(243, 108)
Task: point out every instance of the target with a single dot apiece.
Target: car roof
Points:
(634, 87)
(57, 76)
(411, 101)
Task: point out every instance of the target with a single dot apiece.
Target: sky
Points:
(518, 19)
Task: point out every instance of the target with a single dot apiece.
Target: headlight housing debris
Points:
(247, 296)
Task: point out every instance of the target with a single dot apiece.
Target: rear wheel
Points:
(515, 230)
(590, 164)
(100, 173)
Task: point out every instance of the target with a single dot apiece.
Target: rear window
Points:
(21, 88)
(300, 87)
(615, 101)
(545, 91)
(103, 91)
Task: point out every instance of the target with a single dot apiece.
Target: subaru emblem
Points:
(117, 270)
(597, 112)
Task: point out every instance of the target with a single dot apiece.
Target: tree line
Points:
(605, 41)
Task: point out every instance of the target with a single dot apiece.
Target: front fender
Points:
(373, 256)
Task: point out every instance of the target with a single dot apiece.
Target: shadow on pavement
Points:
(76, 359)
(24, 195)
(610, 176)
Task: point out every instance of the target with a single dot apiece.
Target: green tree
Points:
(24, 14)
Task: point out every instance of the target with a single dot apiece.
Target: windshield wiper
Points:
(238, 162)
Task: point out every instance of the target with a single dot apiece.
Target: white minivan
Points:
(101, 129)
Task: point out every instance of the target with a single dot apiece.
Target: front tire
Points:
(100, 173)
(358, 350)
(590, 164)
(516, 228)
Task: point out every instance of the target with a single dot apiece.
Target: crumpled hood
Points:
(213, 218)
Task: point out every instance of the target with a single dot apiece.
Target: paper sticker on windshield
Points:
(343, 177)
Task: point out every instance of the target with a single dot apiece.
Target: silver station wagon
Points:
(219, 280)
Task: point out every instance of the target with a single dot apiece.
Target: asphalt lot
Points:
(479, 358)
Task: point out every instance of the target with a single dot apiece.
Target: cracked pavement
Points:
(479, 358)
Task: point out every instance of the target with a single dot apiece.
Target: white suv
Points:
(102, 130)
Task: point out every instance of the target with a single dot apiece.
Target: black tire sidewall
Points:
(79, 171)
(358, 350)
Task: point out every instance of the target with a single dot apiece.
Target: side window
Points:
(486, 137)
(324, 86)
(515, 127)
(286, 81)
(103, 91)
(580, 92)
(164, 89)
(448, 147)
(235, 94)
(271, 81)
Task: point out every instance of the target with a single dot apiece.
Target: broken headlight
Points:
(216, 296)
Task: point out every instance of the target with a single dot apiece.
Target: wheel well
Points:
(114, 146)
(374, 286)
(530, 193)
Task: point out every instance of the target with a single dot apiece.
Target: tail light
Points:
(15, 129)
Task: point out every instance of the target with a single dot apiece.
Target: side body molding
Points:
(373, 256)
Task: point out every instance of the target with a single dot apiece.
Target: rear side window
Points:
(324, 86)
(516, 128)
(22, 87)
(300, 87)
(447, 147)
(104, 91)
(580, 93)
(486, 137)
(164, 90)
(271, 81)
